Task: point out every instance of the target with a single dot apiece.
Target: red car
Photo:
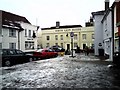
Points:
(47, 53)
(43, 54)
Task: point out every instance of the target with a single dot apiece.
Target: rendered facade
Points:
(106, 26)
(17, 32)
(60, 35)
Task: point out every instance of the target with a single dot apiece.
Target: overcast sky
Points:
(45, 13)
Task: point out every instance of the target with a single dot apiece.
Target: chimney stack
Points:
(91, 19)
(106, 4)
(57, 24)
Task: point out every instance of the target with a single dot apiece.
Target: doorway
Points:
(84, 45)
(68, 46)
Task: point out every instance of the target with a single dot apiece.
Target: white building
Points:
(108, 33)
(17, 32)
(28, 37)
(107, 24)
(104, 31)
(98, 41)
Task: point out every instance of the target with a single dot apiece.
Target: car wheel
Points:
(7, 63)
(30, 59)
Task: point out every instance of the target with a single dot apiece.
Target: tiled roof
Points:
(10, 20)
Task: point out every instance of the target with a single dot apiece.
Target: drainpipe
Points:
(112, 10)
(18, 39)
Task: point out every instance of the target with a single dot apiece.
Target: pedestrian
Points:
(86, 50)
(78, 49)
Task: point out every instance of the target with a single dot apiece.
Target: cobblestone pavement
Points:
(62, 72)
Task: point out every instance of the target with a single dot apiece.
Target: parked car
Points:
(47, 53)
(57, 49)
(35, 54)
(14, 56)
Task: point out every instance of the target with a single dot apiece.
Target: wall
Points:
(23, 38)
(107, 35)
(98, 33)
(88, 31)
(6, 39)
(67, 39)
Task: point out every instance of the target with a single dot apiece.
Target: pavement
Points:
(62, 72)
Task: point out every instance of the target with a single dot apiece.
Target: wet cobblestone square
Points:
(62, 72)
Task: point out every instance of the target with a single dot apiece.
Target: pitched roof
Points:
(13, 17)
(10, 20)
(60, 27)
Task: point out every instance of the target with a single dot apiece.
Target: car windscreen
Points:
(3, 52)
(40, 50)
(11, 52)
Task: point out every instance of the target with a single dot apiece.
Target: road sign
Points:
(71, 34)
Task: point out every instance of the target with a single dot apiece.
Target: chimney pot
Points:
(57, 24)
(106, 4)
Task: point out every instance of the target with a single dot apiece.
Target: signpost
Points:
(72, 35)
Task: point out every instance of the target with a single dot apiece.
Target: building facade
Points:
(116, 16)
(98, 42)
(106, 23)
(17, 32)
(108, 33)
(28, 37)
(61, 35)
(87, 37)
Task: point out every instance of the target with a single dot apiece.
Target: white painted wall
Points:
(98, 33)
(23, 38)
(107, 35)
(6, 39)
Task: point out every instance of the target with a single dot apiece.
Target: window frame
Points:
(75, 45)
(29, 45)
(61, 37)
(56, 37)
(12, 45)
(47, 38)
(25, 32)
(47, 45)
(12, 33)
(93, 36)
(29, 33)
(75, 36)
(84, 36)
